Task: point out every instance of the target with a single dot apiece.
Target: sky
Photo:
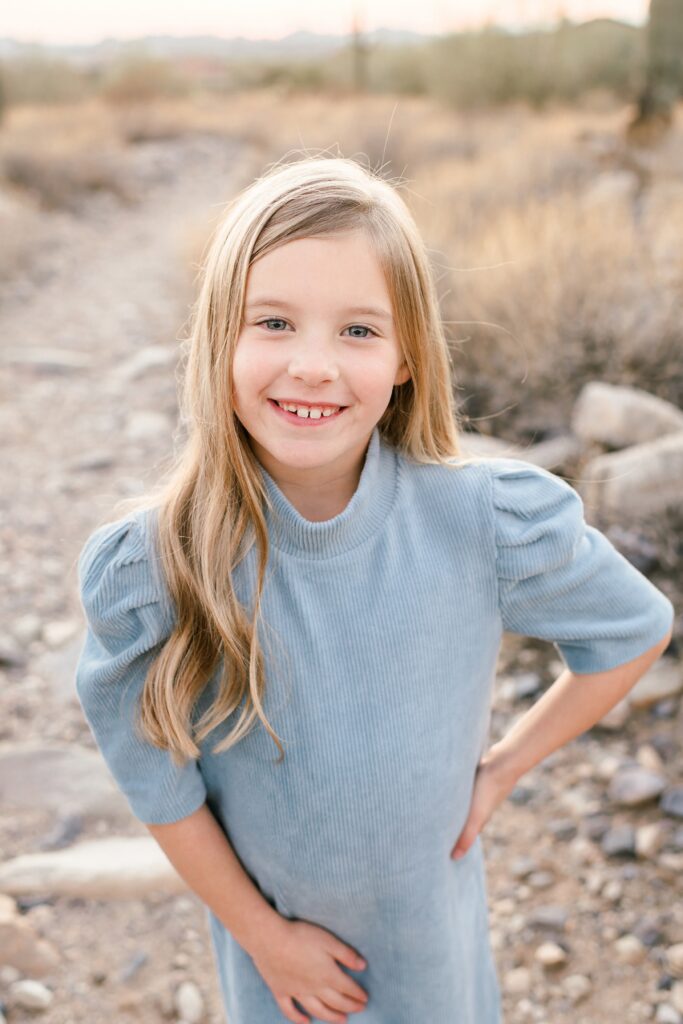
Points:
(88, 21)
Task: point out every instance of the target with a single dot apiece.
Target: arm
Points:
(574, 703)
(571, 705)
(201, 853)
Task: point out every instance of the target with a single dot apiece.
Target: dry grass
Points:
(554, 240)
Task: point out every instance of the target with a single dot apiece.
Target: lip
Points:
(304, 421)
(310, 405)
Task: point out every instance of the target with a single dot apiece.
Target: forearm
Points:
(570, 706)
(202, 855)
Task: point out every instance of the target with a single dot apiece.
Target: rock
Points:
(481, 445)
(619, 416)
(612, 890)
(635, 546)
(645, 479)
(552, 454)
(631, 787)
(666, 1014)
(662, 680)
(20, 945)
(58, 667)
(46, 360)
(113, 868)
(551, 916)
(677, 995)
(541, 879)
(189, 1002)
(150, 357)
(649, 758)
(576, 987)
(562, 828)
(619, 840)
(674, 959)
(27, 628)
(56, 633)
(615, 719)
(517, 981)
(65, 778)
(630, 950)
(550, 954)
(30, 994)
(522, 866)
(147, 425)
(672, 802)
(650, 839)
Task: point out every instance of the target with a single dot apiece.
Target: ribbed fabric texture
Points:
(382, 632)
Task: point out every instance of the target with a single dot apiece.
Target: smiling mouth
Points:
(306, 420)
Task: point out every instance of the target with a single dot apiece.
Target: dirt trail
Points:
(89, 346)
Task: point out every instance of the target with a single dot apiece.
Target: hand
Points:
(491, 786)
(301, 963)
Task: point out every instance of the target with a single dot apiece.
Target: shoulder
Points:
(119, 569)
(539, 517)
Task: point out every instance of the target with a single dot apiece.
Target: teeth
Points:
(314, 413)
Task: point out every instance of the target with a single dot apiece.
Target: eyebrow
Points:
(381, 314)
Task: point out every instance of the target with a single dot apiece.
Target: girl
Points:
(292, 644)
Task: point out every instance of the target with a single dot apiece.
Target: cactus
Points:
(664, 76)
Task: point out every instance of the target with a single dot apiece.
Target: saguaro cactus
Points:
(664, 76)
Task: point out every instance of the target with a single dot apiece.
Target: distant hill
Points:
(303, 45)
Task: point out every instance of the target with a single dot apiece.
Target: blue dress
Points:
(383, 630)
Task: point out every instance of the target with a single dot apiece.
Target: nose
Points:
(313, 363)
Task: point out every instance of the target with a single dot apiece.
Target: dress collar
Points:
(366, 511)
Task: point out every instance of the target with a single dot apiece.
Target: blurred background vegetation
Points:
(544, 169)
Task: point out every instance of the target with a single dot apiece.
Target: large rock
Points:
(643, 480)
(620, 416)
(60, 777)
(662, 680)
(553, 453)
(20, 945)
(114, 868)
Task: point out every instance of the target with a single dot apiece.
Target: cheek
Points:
(249, 370)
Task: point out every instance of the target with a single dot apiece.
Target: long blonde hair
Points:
(211, 503)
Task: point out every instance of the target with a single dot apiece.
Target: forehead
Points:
(330, 267)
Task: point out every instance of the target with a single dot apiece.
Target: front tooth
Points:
(315, 414)
(303, 413)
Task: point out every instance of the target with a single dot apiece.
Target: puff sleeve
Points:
(129, 615)
(561, 580)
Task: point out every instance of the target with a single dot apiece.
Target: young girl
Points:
(292, 644)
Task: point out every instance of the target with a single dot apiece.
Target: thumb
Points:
(465, 840)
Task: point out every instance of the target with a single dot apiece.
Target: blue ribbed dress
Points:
(384, 625)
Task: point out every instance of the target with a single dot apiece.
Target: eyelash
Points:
(269, 319)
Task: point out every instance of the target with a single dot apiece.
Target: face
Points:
(318, 329)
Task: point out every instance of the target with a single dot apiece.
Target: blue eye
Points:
(362, 327)
(272, 320)
(279, 320)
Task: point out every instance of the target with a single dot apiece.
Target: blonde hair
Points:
(211, 504)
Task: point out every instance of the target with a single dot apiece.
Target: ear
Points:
(402, 374)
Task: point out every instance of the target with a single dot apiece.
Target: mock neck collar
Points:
(368, 508)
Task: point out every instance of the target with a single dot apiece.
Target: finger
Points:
(341, 1001)
(290, 1011)
(319, 1009)
(348, 987)
(467, 837)
(348, 956)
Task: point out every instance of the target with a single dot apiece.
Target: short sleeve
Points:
(562, 580)
(129, 615)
